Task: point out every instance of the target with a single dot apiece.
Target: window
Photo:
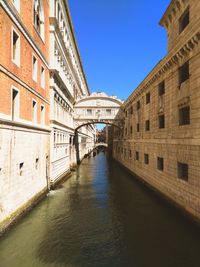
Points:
(131, 129)
(147, 125)
(126, 113)
(16, 3)
(34, 69)
(148, 98)
(184, 73)
(108, 111)
(21, 168)
(184, 115)
(138, 105)
(160, 164)
(89, 112)
(184, 20)
(146, 159)
(42, 77)
(137, 155)
(36, 163)
(42, 114)
(161, 121)
(38, 17)
(131, 110)
(130, 154)
(34, 111)
(161, 88)
(15, 48)
(182, 171)
(138, 127)
(15, 103)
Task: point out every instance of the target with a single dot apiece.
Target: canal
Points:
(102, 216)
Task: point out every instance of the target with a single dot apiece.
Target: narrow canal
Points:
(102, 217)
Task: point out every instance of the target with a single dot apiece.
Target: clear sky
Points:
(120, 41)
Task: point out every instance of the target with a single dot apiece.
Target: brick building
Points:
(41, 76)
(161, 138)
(24, 103)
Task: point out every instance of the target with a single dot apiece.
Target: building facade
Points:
(41, 76)
(24, 104)
(160, 141)
(67, 83)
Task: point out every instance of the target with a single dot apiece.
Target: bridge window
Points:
(108, 111)
(89, 112)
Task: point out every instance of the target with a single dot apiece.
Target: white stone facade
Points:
(24, 164)
(66, 84)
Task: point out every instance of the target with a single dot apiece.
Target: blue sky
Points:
(120, 41)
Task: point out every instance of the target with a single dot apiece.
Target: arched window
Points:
(38, 17)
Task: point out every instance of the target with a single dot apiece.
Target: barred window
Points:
(138, 127)
(147, 125)
(184, 73)
(137, 155)
(138, 105)
(161, 88)
(182, 171)
(161, 121)
(160, 163)
(184, 115)
(146, 159)
(148, 98)
(184, 20)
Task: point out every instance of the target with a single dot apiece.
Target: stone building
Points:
(24, 104)
(41, 76)
(67, 83)
(161, 138)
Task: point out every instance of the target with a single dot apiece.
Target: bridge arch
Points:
(97, 108)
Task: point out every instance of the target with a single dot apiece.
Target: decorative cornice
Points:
(165, 65)
(172, 12)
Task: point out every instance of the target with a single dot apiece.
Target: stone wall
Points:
(160, 141)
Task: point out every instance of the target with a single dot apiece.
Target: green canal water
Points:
(102, 216)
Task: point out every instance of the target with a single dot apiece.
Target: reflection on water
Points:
(101, 217)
